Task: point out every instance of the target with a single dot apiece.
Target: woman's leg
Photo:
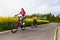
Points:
(22, 20)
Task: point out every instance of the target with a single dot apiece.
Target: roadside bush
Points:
(5, 22)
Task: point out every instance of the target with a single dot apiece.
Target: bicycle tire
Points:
(13, 28)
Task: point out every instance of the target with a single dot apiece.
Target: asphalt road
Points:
(42, 32)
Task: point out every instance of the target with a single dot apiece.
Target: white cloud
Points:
(55, 10)
(43, 8)
(12, 7)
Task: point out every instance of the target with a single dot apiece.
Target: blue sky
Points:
(12, 7)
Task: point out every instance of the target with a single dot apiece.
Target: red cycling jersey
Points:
(23, 13)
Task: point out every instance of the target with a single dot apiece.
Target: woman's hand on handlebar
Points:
(15, 15)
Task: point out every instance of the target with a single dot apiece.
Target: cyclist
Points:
(23, 14)
(34, 19)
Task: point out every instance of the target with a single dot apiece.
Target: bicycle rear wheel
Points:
(34, 25)
(22, 27)
(14, 27)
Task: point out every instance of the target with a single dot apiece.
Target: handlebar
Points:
(18, 16)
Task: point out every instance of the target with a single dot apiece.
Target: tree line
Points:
(48, 16)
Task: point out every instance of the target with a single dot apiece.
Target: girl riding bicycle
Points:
(23, 13)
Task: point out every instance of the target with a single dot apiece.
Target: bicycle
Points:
(34, 24)
(18, 23)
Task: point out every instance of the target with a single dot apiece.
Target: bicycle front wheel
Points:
(14, 27)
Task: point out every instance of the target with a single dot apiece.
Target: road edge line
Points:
(5, 32)
(55, 34)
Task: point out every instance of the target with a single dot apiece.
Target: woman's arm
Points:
(16, 14)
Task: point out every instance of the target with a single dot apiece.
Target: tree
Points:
(58, 18)
(50, 17)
